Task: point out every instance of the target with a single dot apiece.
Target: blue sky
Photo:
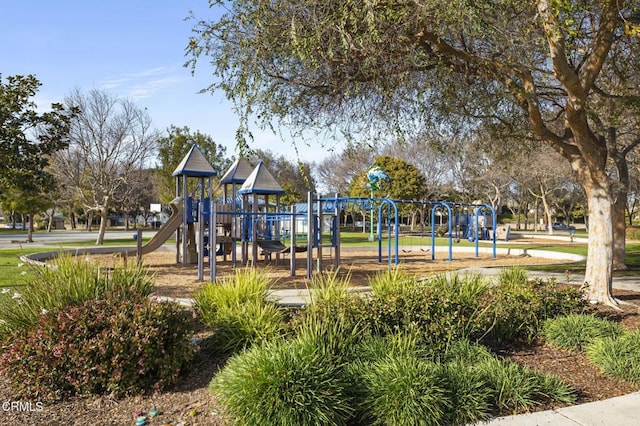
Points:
(132, 49)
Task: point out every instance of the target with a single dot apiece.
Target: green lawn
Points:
(13, 271)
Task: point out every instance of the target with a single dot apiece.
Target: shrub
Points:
(390, 282)
(618, 356)
(517, 388)
(110, 346)
(404, 391)
(468, 393)
(236, 310)
(441, 310)
(284, 383)
(517, 308)
(576, 331)
(70, 282)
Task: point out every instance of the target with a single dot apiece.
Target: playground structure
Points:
(249, 216)
(248, 222)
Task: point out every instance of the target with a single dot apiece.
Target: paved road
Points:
(8, 240)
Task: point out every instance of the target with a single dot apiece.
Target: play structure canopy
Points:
(194, 164)
(238, 172)
(261, 181)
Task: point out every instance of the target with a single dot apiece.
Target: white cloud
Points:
(142, 84)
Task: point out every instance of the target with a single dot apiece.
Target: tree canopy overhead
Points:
(552, 65)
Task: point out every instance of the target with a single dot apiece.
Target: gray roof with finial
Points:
(194, 164)
(261, 181)
(238, 172)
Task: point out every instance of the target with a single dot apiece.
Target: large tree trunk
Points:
(619, 237)
(621, 192)
(598, 276)
(50, 221)
(29, 228)
(103, 226)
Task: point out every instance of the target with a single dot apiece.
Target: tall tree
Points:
(336, 171)
(175, 145)
(111, 139)
(403, 63)
(27, 140)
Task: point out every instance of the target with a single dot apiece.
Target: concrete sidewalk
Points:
(621, 411)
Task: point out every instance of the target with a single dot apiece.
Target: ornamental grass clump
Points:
(517, 388)
(69, 281)
(391, 282)
(404, 390)
(284, 383)
(577, 331)
(468, 393)
(111, 346)
(236, 311)
(618, 357)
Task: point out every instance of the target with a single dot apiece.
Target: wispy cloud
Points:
(143, 84)
(148, 88)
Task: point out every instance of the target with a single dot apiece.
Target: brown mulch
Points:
(191, 403)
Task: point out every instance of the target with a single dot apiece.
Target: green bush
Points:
(390, 282)
(284, 383)
(576, 331)
(618, 356)
(468, 392)
(441, 310)
(236, 310)
(111, 346)
(69, 282)
(517, 388)
(404, 391)
(516, 306)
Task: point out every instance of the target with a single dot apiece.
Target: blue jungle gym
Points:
(249, 216)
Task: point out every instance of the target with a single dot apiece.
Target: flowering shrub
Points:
(110, 346)
(71, 281)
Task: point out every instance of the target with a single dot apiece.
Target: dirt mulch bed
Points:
(191, 403)
(176, 280)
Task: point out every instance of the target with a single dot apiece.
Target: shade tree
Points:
(362, 66)
(28, 139)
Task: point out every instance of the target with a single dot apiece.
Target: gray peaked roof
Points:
(194, 164)
(261, 181)
(238, 172)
